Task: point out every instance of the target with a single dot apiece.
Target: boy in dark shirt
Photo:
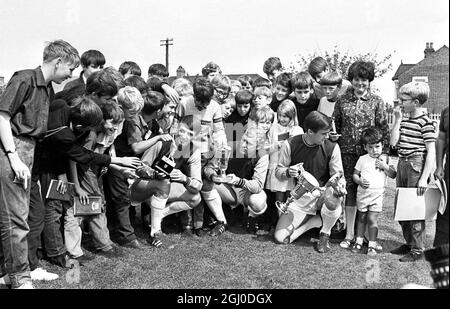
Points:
(305, 100)
(23, 119)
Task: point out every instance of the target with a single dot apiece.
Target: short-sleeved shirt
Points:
(443, 127)
(414, 133)
(366, 166)
(326, 107)
(134, 131)
(27, 99)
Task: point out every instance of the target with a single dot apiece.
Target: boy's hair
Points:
(272, 64)
(331, 79)
(284, 79)
(203, 90)
(263, 91)
(130, 66)
(69, 95)
(60, 48)
(116, 76)
(416, 90)
(183, 87)
(244, 97)
(222, 82)
(111, 110)
(236, 83)
(92, 57)
(317, 66)
(210, 67)
(130, 99)
(371, 135)
(188, 121)
(263, 114)
(153, 101)
(245, 79)
(101, 84)
(158, 69)
(86, 112)
(316, 121)
(302, 80)
(287, 107)
(361, 69)
(136, 82)
(262, 82)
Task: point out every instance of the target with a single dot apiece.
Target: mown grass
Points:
(237, 260)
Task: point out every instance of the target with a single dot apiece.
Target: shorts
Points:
(307, 204)
(370, 199)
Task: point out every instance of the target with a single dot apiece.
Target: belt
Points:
(412, 157)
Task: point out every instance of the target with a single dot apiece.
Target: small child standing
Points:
(370, 174)
(286, 127)
(415, 138)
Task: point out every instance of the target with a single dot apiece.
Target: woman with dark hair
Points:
(357, 110)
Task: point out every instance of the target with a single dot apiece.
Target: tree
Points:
(340, 61)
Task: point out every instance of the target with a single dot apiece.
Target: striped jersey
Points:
(207, 123)
(414, 133)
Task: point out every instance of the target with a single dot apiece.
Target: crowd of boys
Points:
(191, 149)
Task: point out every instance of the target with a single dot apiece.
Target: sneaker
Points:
(323, 245)
(403, 249)
(62, 260)
(372, 251)
(134, 244)
(26, 286)
(347, 243)
(111, 253)
(155, 240)
(357, 248)
(41, 274)
(218, 229)
(412, 256)
(200, 232)
(84, 259)
(252, 225)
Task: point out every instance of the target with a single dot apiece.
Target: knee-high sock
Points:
(214, 202)
(350, 218)
(175, 207)
(157, 205)
(313, 222)
(329, 218)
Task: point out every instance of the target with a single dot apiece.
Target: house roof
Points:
(438, 58)
(402, 68)
(192, 78)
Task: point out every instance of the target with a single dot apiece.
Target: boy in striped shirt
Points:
(415, 138)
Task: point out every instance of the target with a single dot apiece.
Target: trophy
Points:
(223, 156)
(306, 183)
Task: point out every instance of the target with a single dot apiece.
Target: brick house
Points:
(433, 69)
(181, 72)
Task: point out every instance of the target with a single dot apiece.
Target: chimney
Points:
(429, 50)
(181, 72)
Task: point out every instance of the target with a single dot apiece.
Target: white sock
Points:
(373, 244)
(5, 280)
(315, 221)
(175, 207)
(350, 218)
(329, 218)
(157, 205)
(359, 240)
(214, 202)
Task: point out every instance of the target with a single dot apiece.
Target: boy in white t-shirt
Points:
(370, 175)
(330, 84)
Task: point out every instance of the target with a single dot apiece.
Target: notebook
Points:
(93, 207)
(54, 194)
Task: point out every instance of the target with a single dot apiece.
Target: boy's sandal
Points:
(372, 251)
(357, 248)
(346, 243)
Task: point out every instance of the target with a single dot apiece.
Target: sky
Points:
(237, 35)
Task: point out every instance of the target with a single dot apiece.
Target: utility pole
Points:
(166, 43)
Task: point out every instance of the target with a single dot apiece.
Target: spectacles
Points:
(221, 92)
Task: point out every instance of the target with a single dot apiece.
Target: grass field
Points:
(243, 261)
